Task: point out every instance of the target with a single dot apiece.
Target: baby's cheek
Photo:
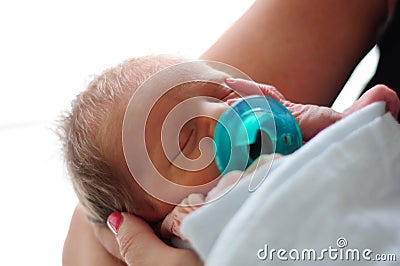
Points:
(203, 176)
(186, 176)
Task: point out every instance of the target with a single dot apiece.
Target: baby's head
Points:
(92, 137)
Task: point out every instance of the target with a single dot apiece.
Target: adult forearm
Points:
(305, 48)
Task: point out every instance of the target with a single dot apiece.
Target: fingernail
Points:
(230, 80)
(114, 221)
(231, 101)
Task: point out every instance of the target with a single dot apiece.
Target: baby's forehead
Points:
(144, 98)
(176, 76)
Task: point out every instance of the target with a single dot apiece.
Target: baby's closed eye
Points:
(187, 136)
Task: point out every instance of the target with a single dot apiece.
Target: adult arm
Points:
(305, 48)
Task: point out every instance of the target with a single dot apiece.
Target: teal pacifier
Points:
(253, 126)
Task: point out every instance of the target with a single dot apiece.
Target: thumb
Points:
(133, 236)
(139, 245)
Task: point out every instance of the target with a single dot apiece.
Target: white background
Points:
(49, 51)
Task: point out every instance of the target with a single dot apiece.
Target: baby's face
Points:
(178, 131)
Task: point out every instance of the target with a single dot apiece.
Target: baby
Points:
(93, 141)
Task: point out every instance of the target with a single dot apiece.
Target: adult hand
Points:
(81, 247)
(312, 118)
(135, 243)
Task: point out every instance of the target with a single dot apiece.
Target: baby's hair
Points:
(82, 133)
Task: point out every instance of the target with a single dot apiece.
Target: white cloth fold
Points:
(342, 185)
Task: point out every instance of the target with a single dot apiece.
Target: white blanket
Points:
(336, 198)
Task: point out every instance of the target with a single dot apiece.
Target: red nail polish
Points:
(231, 101)
(114, 221)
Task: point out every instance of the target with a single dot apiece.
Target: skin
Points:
(306, 48)
(88, 244)
(264, 44)
(311, 118)
(308, 116)
(81, 246)
(145, 205)
(191, 133)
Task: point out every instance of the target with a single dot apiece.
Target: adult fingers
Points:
(138, 244)
(375, 94)
(311, 118)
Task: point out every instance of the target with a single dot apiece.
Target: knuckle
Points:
(127, 246)
(132, 249)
